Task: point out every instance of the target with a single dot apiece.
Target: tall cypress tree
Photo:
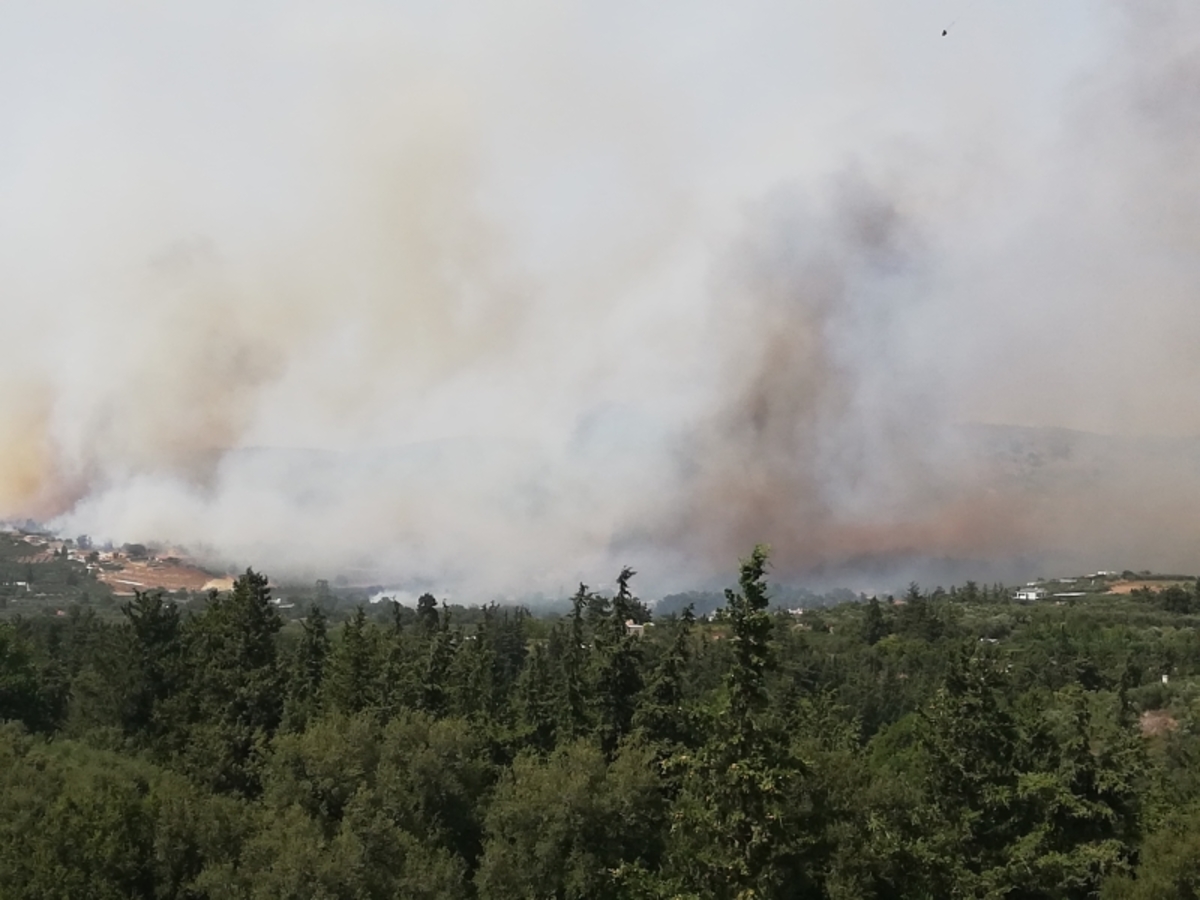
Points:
(874, 625)
(536, 702)
(661, 715)
(396, 684)
(235, 692)
(618, 678)
(433, 694)
(568, 655)
(155, 628)
(307, 671)
(353, 666)
(739, 831)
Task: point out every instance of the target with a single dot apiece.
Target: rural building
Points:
(633, 629)
(1031, 593)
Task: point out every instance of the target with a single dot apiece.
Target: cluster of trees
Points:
(945, 745)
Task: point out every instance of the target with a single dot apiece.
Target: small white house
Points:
(1031, 593)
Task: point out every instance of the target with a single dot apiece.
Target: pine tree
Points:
(472, 677)
(535, 702)
(874, 626)
(396, 683)
(433, 691)
(918, 616)
(307, 670)
(661, 715)
(427, 613)
(157, 647)
(971, 741)
(353, 665)
(739, 830)
(234, 688)
(618, 678)
(751, 628)
(568, 656)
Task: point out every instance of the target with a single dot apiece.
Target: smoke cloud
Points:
(498, 301)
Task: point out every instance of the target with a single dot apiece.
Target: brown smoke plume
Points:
(829, 444)
(849, 352)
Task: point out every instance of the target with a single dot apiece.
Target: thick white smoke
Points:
(506, 297)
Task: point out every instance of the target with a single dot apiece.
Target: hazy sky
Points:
(580, 239)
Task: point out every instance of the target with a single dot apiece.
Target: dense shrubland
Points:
(953, 744)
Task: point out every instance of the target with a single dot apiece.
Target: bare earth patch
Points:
(175, 576)
(1155, 722)
(1128, 587)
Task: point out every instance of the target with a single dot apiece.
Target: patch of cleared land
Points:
(1128, 587)
(139, 575)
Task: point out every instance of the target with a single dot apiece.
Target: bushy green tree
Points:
(1025, 806)
(80, 822)
(21, 695)
(565, 826)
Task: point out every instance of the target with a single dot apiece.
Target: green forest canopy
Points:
(953, 744)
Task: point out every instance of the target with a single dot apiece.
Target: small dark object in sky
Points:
(944, 32)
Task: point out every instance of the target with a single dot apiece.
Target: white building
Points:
(1031, 593)
(633, 629)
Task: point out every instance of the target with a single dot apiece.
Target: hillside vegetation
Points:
(952, 744)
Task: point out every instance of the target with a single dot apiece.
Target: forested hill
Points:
(951, 745)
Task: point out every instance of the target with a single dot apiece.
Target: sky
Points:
(504, 296)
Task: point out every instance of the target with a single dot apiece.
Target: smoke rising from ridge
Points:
(502, 301)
